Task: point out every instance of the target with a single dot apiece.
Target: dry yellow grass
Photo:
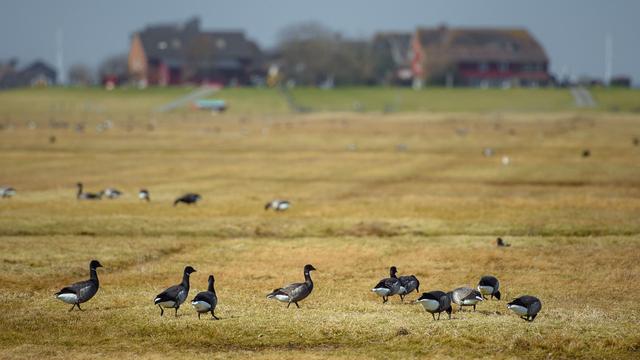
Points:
(431, 206)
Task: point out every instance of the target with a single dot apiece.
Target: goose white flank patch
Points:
(112, 193)
(83, 291)
(7, 191)
(206, 301)
(174, 296)
(527, 307)
(278, 205)
(143, 194)
(436, 302)
(293, 293)
(465, 296)
(388, 286)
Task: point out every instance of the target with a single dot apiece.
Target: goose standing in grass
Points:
(143, 194)
(465, 296)
(295, 292)
(7, 192)
(501, 243)
(83, 291)
(436, 302)
(408, 284)
(188, 199)
(277, 205)
(174, 296)
(85, 195)
(111, 193)
(527, 307)
(206, 301)
(389, 286)
(489, 285)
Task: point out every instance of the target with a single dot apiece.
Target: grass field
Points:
(369, 190)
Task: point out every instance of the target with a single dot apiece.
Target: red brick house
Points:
(177, 54)
(478, 57)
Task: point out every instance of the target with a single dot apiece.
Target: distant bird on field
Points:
(87, 196)
(277, 205)
(7, 192)
(144, 195)
(295, 292)
(408, 284)
(501, 243)
(388, 286)
(111, 193)
(586, 153)
(174, 296)
(188, 199)
(206, 301)
(83, 291)
(465, 296)
(436, 302)
(489, 285)
(505, 160)
(487, 152)
(527, 307)
(636, 141)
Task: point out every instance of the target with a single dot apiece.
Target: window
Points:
(503, 66)
(483, 67)
(162, 45)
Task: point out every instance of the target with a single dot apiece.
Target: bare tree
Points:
(114, 67)
(80, 74)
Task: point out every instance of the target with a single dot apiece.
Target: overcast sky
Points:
(572, 31)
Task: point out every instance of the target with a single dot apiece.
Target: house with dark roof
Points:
(38, 73)
(392, 56)
(478, 57)
(176, 54)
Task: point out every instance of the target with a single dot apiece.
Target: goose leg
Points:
(70, 310)
(161, 310)
(384, 299)
(438, 316)
(198, 316)
(434, 316)
(401, 298)
(214, 315)
(288, 304)
(297, 304)
(79, 308)
(177, 307)
(474, 308)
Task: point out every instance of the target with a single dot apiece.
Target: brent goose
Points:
(144, 195)
(86, 196)
(586, 153)
(489, 285)
(174, 296)
(389, 286)
(206, 301)
(277, 205)
(295, 292)
(465, 296)
(188, 199)
(526, 306)
(408, 284)
(7, 192)
(501, 243)
(82, 291)
(436, 302)
(111, 193)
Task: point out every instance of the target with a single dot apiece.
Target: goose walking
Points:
(408, 283)
(435, 302)
(206, 301)
(527, 307)
(143, 194)
(188, 199)
(277, 205)
(489, 285)
(83, 291)
(7, 192)
(295, 292)
(465, 296)
(85, 195)
(111, 193)
(174, 296)
(389, 286)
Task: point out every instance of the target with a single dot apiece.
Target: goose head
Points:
(211, 279)
(393, 271)
(308, 268)
(94, 264)
(188, 270)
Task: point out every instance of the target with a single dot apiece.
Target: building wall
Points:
(137, 60)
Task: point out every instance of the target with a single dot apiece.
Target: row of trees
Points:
(308, 53)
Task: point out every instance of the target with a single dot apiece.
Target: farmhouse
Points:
(175, 54)
(478, 57)
(391, 53)
(37, 73)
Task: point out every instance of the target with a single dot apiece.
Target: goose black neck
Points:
(211, 288)
(307, 277)
(79, 190)
(93, 274)
(185, 280)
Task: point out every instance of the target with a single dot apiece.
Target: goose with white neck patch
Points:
(83, 291)
(293, 293)
(174, 296)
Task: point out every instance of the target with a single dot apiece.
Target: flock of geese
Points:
(434, 302)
